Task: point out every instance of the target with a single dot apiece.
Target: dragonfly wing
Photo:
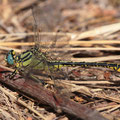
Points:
(47, 19)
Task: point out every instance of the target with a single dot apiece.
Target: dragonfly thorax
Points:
(10, 57)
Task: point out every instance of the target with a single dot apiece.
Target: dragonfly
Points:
(36, 61)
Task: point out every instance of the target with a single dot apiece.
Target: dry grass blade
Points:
(99, 31)
(82, 42)
(97, 59)
(107, 107)
(7, 49)
(90, 82)
(16, 44)
(113, 109)
(104, 96)
(71, 42)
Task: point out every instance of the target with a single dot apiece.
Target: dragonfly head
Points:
(10, 57)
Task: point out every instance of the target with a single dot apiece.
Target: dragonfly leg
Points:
(36, 79)
(10, 76)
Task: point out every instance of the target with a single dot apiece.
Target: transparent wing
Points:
(47, 17)
(48, 20)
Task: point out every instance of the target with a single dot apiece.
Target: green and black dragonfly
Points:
(36, 60)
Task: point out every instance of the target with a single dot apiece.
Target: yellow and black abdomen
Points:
(113, 66)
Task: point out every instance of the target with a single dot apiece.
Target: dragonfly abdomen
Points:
(112, 66)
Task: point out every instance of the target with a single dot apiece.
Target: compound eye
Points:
(10, 59)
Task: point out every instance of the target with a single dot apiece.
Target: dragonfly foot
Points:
(10, 76)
